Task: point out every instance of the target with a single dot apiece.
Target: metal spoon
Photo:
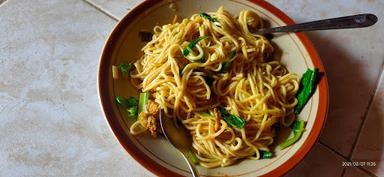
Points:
(179, 137)
(354, 21)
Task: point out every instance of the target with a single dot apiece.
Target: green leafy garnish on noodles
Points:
(234, 121)
(208, 17)
(298, 128)
(192, 44)
(307, 88)
(227, 64)
(266, 154)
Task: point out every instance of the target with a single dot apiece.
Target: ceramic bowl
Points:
(157, 155)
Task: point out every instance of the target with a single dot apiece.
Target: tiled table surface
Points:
(51, 124)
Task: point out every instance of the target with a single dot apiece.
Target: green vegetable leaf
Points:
(124, 68)
(132, 101)
(131, 104)
(208, 17)
(266, 154)
(298, 128)
(192, 156)
(120, 100)
(193, 44)
(132, 111)
(234, 121)
(307, 88)
(143, 100)
(227, 64)
(298, 125)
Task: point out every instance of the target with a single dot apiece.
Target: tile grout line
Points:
(2, 2)
(343, 172)
(345, 168)
(367, 171)
(334, 151)
(368, 108)
(99, 8)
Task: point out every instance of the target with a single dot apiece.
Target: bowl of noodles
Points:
(251, 102)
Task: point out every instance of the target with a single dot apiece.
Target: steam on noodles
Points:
(228, 69)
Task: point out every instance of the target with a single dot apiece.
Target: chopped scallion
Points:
(132, 101)
(120, 100)
(192, 44)
(130, 104)
(132, 111)
(192, 156)
(227, 64)
(266, 154)
(208, 17)
(143, 100)
(124, 68)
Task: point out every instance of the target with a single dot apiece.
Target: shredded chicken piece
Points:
(153, 125)
(153, 108)
(150, 118)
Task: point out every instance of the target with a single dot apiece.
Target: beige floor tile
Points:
(370, 147)
(50, 120)
(50, 49)
(355, 172)
(319, 162)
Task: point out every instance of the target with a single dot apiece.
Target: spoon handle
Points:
(191, 166)
(354, 21)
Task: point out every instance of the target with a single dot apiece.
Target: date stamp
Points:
(358, 164)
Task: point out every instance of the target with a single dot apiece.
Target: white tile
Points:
(50, 120)
(370, 147)
(352, 60)
(318, 163)
(49, 116)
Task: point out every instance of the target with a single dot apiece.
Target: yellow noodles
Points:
(254, 87)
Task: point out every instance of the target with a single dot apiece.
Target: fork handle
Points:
(354, 21)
